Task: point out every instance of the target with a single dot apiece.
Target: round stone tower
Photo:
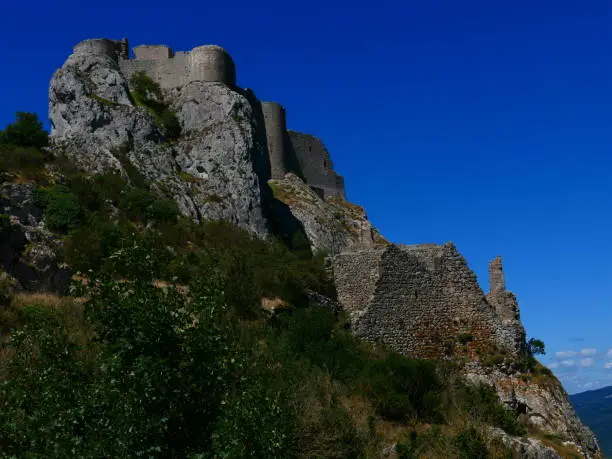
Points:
(99, 46)
(212, 63)
(276, 126)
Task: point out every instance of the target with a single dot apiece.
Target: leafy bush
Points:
(167, 377)
(536, 347)
(148, 93)
(5, 225)
(27, 131)
(398, 387)
(27, 160)
(62, 210)
(465, 338)
(471, 445)
(481, 403)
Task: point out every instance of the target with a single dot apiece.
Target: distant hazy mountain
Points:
(595, 409)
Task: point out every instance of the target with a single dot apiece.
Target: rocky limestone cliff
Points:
(332, 225)
(543, 403)
(210, 172)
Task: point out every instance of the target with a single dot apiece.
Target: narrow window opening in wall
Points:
(309, 148)
(324, 163)
(416, 294)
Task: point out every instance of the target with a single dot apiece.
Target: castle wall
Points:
(316, 165)
(275, 124)
(212, 63)
(169, 73)
(99, 46)
(153, 52)
(423, 299)
(174, 70)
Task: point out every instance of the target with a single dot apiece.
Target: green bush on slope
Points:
(148, 94)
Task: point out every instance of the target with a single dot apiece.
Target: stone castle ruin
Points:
(288, 151)
(425, 302)
(235, 160)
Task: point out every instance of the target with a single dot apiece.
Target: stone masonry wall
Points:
(315, 164)
(174, 70)
(420, 300)
(275, 123)
(506, 306)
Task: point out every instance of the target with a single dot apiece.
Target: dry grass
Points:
(68, 310)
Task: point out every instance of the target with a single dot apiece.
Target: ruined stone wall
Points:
(275, 124)
(497, 282)
(424, 303)
(169, 73)
(316, 165)
(506, 306)
(174, 70)
(356, 292)
(100, 46)
(152, 52)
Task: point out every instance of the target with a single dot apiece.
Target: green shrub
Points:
(5, 225)
(536, 347)
(402, 389)
(482, 404)
(171, 123)
(27, 131)
(148, 93)
(465, 338)
(494, 360)
(94, 191)
(62, 210)
(144, 87)
(471, 445)
(17, 158)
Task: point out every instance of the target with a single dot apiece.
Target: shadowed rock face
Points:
(332, 225)
(28, 250)
(210, 172)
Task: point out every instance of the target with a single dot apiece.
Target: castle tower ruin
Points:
(212, 63)
(99, 46)
(276, 126)
(497, 283)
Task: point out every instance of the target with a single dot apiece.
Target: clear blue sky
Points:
(485, 123)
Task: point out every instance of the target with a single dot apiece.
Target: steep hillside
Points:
(196, 268)
(595, 408)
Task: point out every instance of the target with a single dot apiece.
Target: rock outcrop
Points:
(542, 402)
(332, 225)
(210, 172)
(526, 448)
(28, 250)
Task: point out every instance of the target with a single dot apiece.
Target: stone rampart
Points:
(101, 46)
(316, 165)
(421, 300)
(172, 70)
(276, 127)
